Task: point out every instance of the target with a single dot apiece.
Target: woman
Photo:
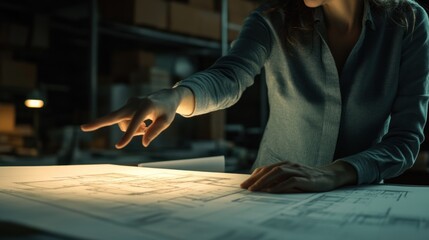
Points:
(347, 85)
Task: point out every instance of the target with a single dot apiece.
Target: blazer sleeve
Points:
(400, 146)
(222, 84)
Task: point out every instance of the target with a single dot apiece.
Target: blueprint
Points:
(119, 202)
(206, 164)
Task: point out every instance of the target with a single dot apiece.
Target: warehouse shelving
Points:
(160, 37)
(97, 28)
(90, 30)
(146, 33)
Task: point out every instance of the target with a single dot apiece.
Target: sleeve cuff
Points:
(367, 170)
(201, 100)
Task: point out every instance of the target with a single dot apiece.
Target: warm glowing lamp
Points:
(34, 103)
(35, 100)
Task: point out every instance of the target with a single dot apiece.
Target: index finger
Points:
(107, 120)
(134, 125)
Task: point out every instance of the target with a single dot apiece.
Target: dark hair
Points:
(299, 17)
(400, 11)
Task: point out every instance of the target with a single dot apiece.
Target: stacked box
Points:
(7, 119)
(124, 62)
(6, 54)
(211, 126)
(40, 32)
(238, 10)
(155, 77)
(203, 4)
(182, 18)
(17, 74)
(151, 13)
(193, 20)
(137, 67)
(12, 34)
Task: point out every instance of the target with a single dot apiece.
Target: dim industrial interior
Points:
(64, 63)
(84, 59)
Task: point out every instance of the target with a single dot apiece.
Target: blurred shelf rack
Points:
(79, 21)
(147, 34)
(160, 37)
(88, 24)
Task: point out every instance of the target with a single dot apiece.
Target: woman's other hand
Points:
(287, 177)
(160, 108)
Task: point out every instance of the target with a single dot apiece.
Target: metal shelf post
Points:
(93, 59)
(224, 27)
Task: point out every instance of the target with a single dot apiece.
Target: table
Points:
(119, 202)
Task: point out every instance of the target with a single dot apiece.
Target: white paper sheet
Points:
(206, 164)
(117, 202)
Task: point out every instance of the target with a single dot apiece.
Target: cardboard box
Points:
(155, 77)
(7, 117)
(233, 34)
(12, 34)
(105, 80)
(238, 10)
(203, 4)
(149, 76)
(140, 12)
(17, 74)
(194, 21)
(211, 126)
(234, 31)
(40, 34)
(6, 54)
(183, 18)
(125, 62)
(209, 25)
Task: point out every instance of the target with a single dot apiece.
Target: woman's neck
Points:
(343, 15)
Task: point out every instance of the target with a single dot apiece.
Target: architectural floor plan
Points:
(117, 202)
